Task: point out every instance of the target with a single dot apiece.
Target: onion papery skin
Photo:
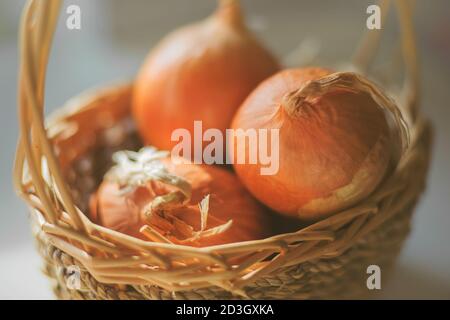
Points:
(201, 72)
(229, 200)
(336, 140)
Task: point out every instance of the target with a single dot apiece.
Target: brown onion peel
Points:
(137, 170)
(340, 136)
(351, 81)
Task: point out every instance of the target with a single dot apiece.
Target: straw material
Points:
(59, 164)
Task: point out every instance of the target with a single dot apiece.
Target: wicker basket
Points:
(58, 165)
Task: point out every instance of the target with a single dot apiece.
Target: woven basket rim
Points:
(91, 95)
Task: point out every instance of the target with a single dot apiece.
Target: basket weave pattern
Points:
(59, 164)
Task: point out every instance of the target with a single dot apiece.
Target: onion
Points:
(200, 72)
(338, 138)
(196, 205)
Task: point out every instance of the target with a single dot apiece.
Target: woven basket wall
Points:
(60, 164)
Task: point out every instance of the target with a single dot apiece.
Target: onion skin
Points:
(201, 72)
(334, 147)
(228, 200)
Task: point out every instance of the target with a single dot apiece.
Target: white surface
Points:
(21, 276)
(94, 56)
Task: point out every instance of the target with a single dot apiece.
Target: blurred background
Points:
(114, 39)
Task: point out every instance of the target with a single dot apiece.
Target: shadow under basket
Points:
(328, 259)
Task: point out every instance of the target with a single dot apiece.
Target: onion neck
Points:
(230, 12)
(295, 104)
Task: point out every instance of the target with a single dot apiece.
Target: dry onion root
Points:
(149, 197)
(339, 135)
(200, 72)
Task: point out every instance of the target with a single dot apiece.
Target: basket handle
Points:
(37, 26)
(410, 93)
(364, 55)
